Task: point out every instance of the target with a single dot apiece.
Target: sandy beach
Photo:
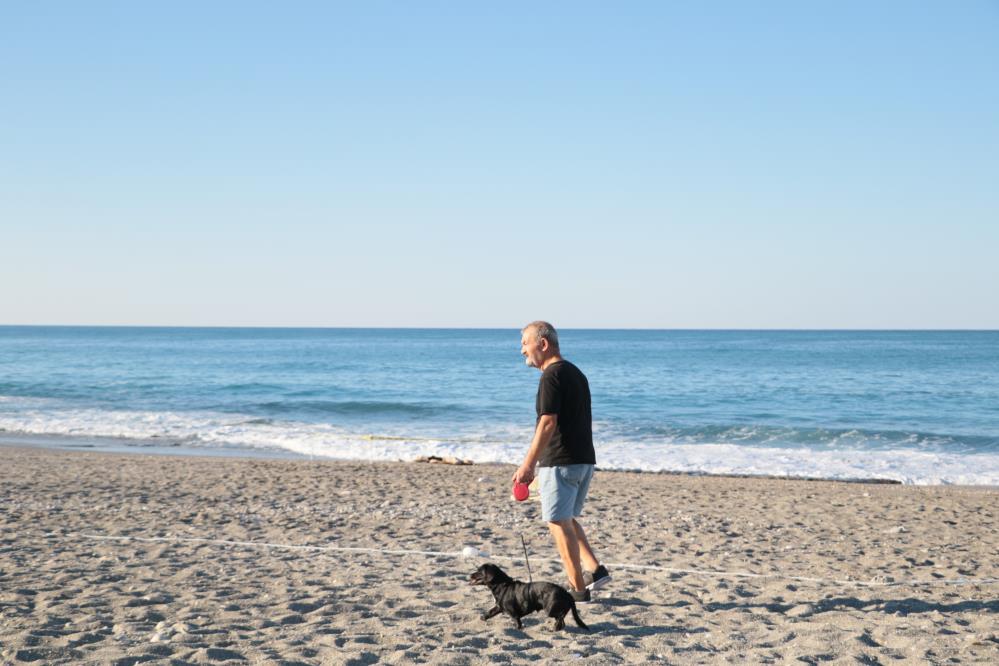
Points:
(121, 559)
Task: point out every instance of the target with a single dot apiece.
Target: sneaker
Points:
(597, 579)
(581, 597)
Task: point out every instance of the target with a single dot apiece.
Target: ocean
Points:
(919, 407)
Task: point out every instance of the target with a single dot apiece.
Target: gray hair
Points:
(543, 331)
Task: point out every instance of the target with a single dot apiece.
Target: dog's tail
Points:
(575, 616)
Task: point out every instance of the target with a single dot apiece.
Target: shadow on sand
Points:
(891, 606)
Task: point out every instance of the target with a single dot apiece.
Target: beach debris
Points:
(468, 552)
(163, 632)
(443, 460)
(882, 579)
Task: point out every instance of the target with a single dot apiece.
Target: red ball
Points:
(521, 492)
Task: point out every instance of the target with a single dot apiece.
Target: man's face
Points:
(533, 349)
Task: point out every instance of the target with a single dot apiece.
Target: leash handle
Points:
(526, 561)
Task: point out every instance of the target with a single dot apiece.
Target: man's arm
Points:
(542, 435)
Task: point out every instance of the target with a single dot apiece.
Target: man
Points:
(563, 450)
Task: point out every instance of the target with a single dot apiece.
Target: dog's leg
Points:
(579, 620)
(559, 623)
(492, 612)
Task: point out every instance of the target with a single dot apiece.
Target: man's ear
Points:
(544, 344)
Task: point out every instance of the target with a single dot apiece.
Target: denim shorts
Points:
(563, 490)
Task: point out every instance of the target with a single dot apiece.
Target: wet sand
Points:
(115, 558)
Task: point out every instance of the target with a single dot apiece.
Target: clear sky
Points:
(661, 164)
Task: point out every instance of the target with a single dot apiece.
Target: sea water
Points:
(913, 406)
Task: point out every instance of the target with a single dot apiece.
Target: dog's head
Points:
(488, 574)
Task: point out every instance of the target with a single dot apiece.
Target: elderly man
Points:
(563, 450)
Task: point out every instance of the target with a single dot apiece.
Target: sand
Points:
(835, 566)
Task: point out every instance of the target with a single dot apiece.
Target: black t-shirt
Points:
(564, 391)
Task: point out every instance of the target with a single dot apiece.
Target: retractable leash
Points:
(526, 561)
(521, 491)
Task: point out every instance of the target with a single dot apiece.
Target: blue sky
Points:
(661, 164)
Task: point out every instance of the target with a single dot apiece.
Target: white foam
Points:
(906, 466)
(507, 445)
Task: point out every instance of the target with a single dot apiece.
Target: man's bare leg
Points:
(564, 532)
(586, 556)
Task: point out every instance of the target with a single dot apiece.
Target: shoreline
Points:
(154, 447)
(129, 446)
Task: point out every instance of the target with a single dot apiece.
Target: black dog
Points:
(518, 599)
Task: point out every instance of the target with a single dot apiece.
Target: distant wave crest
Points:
(345, 407)
(816, 438)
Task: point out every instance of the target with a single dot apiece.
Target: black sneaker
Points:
(597, 579)
(581, 597)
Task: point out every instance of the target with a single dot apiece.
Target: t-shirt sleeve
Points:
(551, 395)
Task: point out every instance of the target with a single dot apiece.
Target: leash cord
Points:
(526, 561)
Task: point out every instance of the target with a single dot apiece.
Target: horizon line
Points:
(505, 328)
